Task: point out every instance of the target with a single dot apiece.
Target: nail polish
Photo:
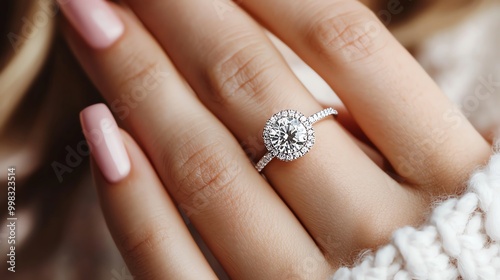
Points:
(96, 22)
(105, 141)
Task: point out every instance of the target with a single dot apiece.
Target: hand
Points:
(194, 81)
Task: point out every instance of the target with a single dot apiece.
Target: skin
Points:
(218, 80)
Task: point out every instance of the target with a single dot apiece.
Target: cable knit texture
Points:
(461, 239)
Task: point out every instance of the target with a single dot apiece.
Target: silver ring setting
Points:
(289, 135)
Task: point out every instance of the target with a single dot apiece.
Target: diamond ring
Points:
(289, 135)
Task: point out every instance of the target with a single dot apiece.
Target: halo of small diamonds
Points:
(288, 135)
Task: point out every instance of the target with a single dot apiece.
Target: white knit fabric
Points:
(461, 239)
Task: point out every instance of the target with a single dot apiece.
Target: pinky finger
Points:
(143, 220)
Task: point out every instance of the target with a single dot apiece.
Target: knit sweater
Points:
(460, 240)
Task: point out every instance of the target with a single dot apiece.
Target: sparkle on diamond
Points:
(288, 135)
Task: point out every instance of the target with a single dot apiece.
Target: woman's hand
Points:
(195, 81)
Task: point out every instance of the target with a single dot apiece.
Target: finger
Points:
(143, 220)
(394, 101)
(198, 160)
(360, 138)
(349, 123)
(240, 76)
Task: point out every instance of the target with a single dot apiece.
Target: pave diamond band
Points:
(289, 135)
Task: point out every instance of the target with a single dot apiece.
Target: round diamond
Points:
(286, 133)
(289, 135)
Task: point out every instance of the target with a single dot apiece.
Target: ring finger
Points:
(403, 112)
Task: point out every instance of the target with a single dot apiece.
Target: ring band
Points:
(289, 135)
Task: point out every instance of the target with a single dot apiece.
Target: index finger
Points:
(143, 220)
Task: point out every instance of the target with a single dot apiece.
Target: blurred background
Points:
(60, 232)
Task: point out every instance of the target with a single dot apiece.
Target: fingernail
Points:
(105, 141)
(94, 20)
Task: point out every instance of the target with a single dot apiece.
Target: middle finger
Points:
(200, 163)
(241, 77)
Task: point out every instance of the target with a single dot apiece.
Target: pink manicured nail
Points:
(105, 142)
(95, 20)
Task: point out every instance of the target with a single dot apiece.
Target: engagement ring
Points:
(289, 135)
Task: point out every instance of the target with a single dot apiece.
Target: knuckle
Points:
(246, 73)
(352, 35)
(145, 240)
(138, 71)
(202, 170)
